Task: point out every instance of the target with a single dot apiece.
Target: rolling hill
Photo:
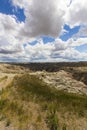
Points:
(43, 96)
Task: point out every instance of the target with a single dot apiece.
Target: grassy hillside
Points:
(29, 103)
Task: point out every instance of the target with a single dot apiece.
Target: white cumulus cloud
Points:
(43, 18)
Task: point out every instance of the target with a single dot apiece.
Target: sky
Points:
(43, 31)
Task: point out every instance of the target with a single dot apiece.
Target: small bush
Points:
(39, 118)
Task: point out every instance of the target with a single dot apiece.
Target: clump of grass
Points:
(2, 103)
(8, 123)
(64, 127)
(3, 78)
(52, 118)
(81, 113)
(39, 118)
(2, 117)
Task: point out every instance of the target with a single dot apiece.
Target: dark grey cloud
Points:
(3, 51)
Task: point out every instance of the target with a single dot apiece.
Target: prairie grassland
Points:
(29, 101)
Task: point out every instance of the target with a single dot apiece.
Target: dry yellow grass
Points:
(31, 101)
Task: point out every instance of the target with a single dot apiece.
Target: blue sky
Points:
(32, 33)
(70, 32)
(6, 7)
(82, 48)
